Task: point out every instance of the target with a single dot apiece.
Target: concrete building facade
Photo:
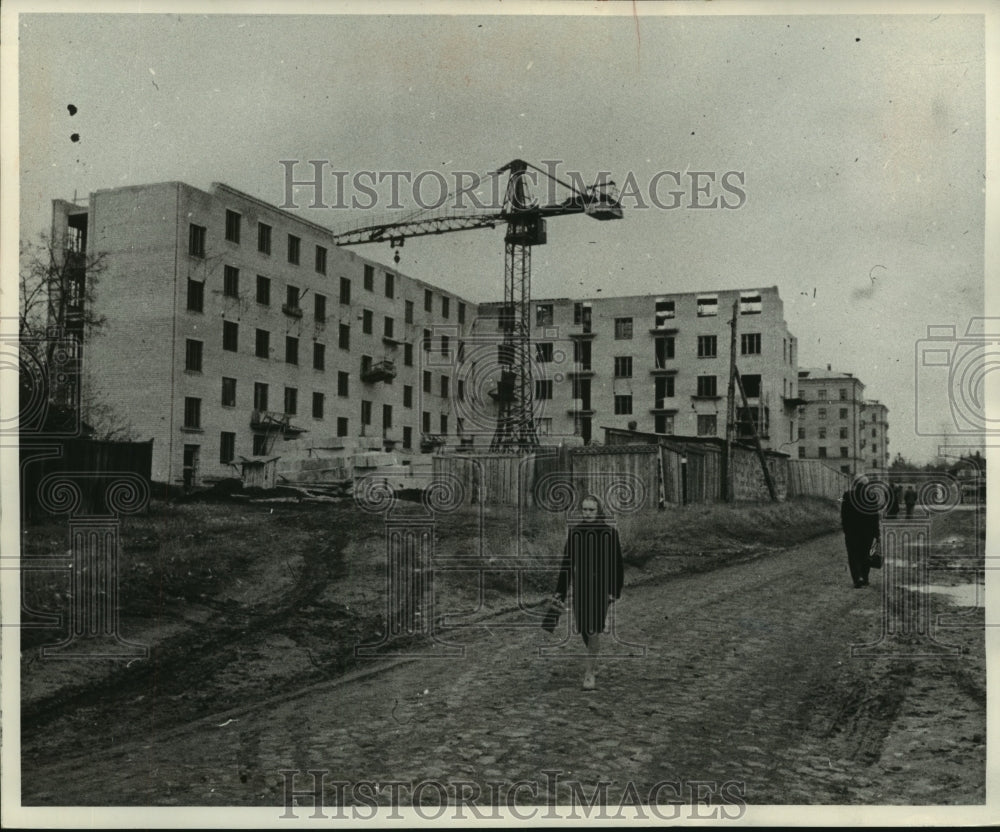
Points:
(662, 363)
(874, 443)
(839, 425)
(233, 327)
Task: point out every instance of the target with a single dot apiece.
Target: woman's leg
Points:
(592, 650)
(593, 643)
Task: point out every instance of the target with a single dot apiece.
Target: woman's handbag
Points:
(551, 618)
(875, 555)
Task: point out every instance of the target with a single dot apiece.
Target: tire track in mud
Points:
(865, 718)
(184, 666)
(179, 676)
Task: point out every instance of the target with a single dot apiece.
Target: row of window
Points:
(821, 433)
(823, 394)
(707, 344)
(261, 394)
(664, 388)
(664, 311)
(664, 351)
(844, 413)
(194, 348)
(231, 289)
(262, 346)
(845, 453)
(197, 235)
(623, 364)
(192, 406)
(844, 434)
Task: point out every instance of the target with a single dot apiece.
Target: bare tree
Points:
(58, 292)
(58, 314)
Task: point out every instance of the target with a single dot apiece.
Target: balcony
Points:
(384, 370)
(292, 311)
(582, 332)
(792, 402)
(659, 408)
(266, 419)
(670, 329)
(580, 408)
(581, 372)
(663, 371)
(270, 420)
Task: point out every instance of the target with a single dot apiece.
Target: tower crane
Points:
(525, 221)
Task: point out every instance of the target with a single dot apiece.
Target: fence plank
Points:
(811, 477)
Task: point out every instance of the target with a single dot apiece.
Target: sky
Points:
(857, 141)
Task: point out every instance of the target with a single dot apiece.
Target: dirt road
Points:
(737, 684)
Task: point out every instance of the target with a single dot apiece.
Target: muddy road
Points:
(734, 683)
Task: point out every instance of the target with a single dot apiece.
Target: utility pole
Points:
(756, 440)
(727, 480)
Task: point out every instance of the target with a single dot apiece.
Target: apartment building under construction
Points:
(233, 327)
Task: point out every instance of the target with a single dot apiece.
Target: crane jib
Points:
(525, 219)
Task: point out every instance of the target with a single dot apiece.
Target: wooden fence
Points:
(495, 479)
(651, 471)
(811, 477)
(623, 477)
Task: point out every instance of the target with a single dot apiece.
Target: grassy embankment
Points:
(242, 556)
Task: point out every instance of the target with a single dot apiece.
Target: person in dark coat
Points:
(895, 496)
(910, 500)
(859, 520)
(592, 564)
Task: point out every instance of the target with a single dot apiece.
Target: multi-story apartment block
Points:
(231, 324)
(837, 423)
(874, 443)
(661, 363)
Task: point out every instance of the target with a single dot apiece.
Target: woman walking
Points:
(592, 564)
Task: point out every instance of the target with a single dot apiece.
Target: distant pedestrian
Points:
(895, 497)
(592, 564)
(910, 500)
(859, 520)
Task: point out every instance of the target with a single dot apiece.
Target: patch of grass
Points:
(536, 538)
(719, 527)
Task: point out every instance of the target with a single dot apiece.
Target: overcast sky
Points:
(859, 141)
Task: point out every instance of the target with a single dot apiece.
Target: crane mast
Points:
(525, 221)
(515, 431)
